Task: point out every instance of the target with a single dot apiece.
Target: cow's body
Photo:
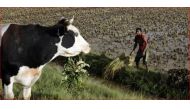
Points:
(26, 49)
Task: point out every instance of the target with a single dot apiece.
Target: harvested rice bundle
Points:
(117, 65)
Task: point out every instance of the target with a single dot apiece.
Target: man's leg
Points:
(137, 64)
(137, 59)
(145, 59)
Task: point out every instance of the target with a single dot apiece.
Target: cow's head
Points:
(71, 41)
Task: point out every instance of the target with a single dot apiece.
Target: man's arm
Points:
(145, 49)
(146, 39)
(135, 46)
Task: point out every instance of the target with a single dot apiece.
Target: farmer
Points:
(142, 40)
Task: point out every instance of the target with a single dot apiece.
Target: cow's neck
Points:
(49, 52)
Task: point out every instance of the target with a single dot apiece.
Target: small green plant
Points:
(74, 74)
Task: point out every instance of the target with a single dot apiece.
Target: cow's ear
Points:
(71, 20)
(63, 21)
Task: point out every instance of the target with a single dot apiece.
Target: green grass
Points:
(49, 87)
(128, 83)
(170, 85)
(157, 84)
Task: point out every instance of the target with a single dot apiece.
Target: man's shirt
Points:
(142, 41)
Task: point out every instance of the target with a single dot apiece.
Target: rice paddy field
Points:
(111, 31)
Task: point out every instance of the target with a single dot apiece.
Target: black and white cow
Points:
(26, 49)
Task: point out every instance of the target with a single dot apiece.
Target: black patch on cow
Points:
(57, 30)
(32, 46)
(68, 39)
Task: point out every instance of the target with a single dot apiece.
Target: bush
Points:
(178, 83)
(74, 74)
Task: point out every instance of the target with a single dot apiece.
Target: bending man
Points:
(142, 40)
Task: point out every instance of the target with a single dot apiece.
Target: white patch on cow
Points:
(3, 29)
(60, 49)
(27, 77)
(80, 43)
(8, 90)
(79, 46)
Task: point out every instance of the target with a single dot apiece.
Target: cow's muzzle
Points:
(86, 49)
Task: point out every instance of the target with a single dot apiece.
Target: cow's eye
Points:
(76, 34)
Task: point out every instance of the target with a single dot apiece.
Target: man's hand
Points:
(144, 52)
